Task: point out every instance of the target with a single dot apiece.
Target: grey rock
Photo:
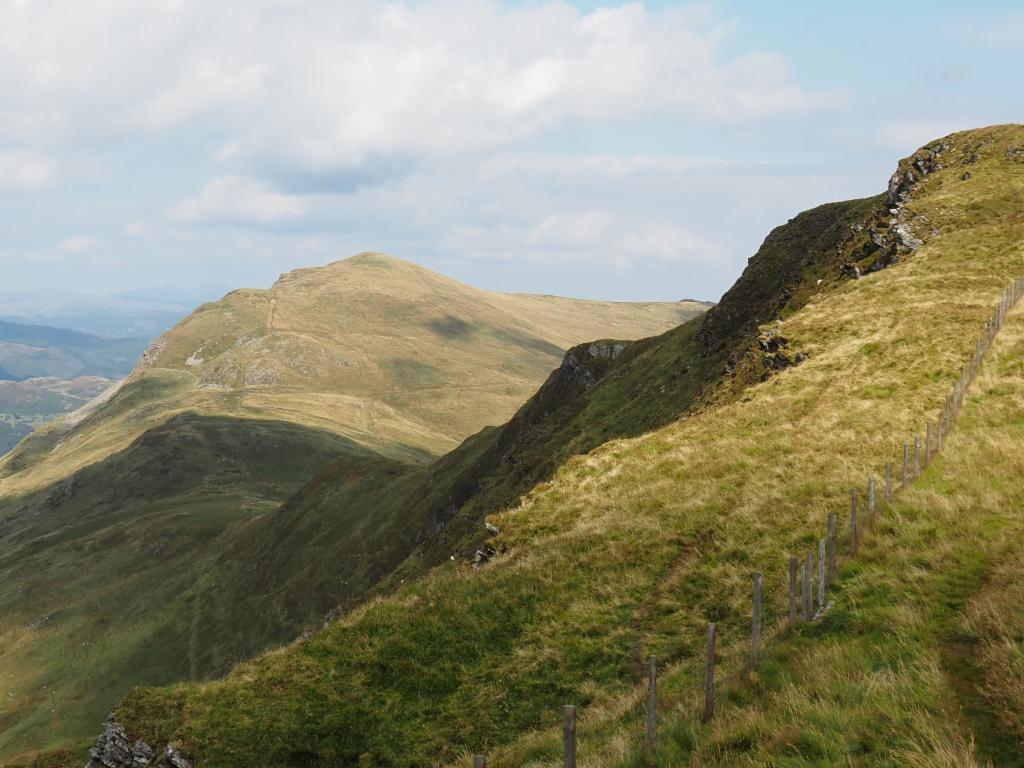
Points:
(116, 749)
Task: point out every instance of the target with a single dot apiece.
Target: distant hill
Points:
(115, 521)
(141, 313)
(35, 351)
(47, 371)
(29, 404)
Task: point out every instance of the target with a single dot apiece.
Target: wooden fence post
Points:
(569, 736)
(888, 483)
(755, 630)
(652, 701)
(479, 761)
(809, 587)
(906, 468)
(822, 561)
(917, 456)
(709, 682)
(928, 444)
(854, 494)
(871, 495)
(831, 569)
(792, 590)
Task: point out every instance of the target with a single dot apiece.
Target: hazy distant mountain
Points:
(141, 313)
(46, 372)
(34, 351)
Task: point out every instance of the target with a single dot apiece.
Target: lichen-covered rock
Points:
(116, 749)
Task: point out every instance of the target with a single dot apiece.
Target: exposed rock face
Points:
(576, 363)
(116, 749)
(150, 356)
(776, 357)
(896, 238)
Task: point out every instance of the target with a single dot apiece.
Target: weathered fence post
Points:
(652, 701)
(822, 561)
(871, 495)
(831, 547)
(928, 444)
(479, 761)
(709, 682)
(917, 456)
(569, 736)
(906, 467)
(854, 494)
(888, 483)
(792, 590)
(809, 587)
(755, 630)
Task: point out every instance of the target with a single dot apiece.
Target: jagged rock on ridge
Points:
(116, 749)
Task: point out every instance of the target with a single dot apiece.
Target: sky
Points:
(627, 151)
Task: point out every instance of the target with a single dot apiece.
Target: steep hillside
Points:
(118, 524)
(634, 547)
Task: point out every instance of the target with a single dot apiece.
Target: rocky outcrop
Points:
(116, 749)
(578, 364)
(150, 356)
(775, 348)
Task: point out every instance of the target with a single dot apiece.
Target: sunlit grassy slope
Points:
(126, 533)
(632, 548)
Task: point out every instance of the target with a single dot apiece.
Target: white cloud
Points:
(79, 244)
(907, 135)
(237, 199)
(136, 229)
(323, 87)
(614, 166)
(22, 169)
(592, 237)
(1004, 31)
(570, 230)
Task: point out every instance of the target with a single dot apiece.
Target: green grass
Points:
(915, 665)
(635, 546)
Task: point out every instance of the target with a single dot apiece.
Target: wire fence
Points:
(811, 578)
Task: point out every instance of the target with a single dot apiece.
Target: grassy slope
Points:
(121, 531)
(919, 663)
(100, 572)
(632, 548)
